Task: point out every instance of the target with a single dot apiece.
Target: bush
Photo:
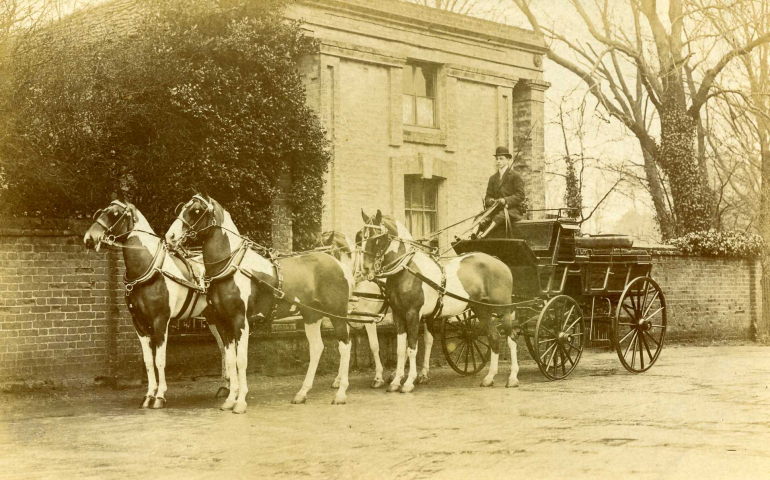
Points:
(720, 244)
(200, 96)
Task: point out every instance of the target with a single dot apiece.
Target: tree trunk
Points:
(658, 195)
(764, 231)
(678, 158)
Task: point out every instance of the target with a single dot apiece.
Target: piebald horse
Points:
(418, 287)
(244, 283)
(159, 287)
(338, 245)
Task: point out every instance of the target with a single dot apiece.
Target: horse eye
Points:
(197, 211)
(114, 214)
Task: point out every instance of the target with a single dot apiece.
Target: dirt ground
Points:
(700, 412)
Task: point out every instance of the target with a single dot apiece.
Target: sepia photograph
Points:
(385, 239)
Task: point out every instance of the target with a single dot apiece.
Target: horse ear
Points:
(134, 211)
(330, 241)
(378, 218)
(365, 217)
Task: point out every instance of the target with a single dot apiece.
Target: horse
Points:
(341, 247)
(163, 288)
(247, 282)
(419, 287)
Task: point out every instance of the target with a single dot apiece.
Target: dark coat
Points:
(511, 188)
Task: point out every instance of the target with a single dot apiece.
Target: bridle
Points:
(192, 229)
(109, 236)
(370, 232)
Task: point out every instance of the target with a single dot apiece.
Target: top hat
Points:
(503, 151)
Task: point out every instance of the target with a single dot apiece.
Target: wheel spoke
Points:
(481, 355)
(565, 352)
(654, 313)
(466, 360)
(573, 324)
(567, 317)
(625, 354)
(633, 350)
(625, 337)
(473, 356)
(653, 339)
(641, 352)
(644, 300)
(646, 346)
(631, 313)
(542, 357)
(563, 361)
(460, 354)
(481, 342)
(654, 297)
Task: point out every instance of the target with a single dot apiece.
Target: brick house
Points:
(414, 101)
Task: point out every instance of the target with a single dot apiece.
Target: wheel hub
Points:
(563, 337)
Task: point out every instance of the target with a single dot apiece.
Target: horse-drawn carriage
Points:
(558, 275)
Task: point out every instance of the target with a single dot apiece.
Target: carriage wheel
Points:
(465, 344)
(639, 325)
(559, 337)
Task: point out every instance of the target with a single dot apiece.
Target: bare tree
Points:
(653, 71)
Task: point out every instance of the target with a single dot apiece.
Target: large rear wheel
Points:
(639, 325)
(559, 337)
(465, 344)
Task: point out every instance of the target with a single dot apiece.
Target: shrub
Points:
(720, 244)
(200, 96)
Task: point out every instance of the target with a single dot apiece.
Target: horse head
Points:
(194, 219)
(379, 239)
(114, 221)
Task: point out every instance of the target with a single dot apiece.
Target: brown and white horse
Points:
(162, 287)
(390, 252)
(338, 245)
(245, 285)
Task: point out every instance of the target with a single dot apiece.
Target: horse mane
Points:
(396, 228)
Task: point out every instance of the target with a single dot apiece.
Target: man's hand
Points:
(500, 201)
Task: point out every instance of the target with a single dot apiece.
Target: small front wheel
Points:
(559, 337)
(465, 344)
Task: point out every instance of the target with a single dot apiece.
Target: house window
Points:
(421, 203)
(419, 95)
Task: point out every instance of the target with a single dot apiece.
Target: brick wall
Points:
(63, 314)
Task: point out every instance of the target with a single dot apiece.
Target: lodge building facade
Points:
(414, 101)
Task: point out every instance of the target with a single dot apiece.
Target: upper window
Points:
(421, 206)
(419, 95)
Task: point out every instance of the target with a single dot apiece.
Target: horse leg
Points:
(422, 378)
(316, 345)
(494, 343)
(149, 365)
(242, 359)
(374, 346)
(342, 330)
(232, 367)
(412, 333)
(513, 380)
(395, 383)
(223, 390)
(160, 328)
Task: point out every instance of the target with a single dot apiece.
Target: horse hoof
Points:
(407, 388)
(339, 401)
(228, 405)
(240, 407)
(391, 377)
(377, 383)
(394, 387)
(421, 379)
(335, 384)
(147, 402)
(487, 383)
(299, 399)
(512, 384)
(159, 403)
(223, 392)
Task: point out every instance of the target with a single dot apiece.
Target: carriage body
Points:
(560, 275)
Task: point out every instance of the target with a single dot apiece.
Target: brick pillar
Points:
(282, 222)
(528, 119)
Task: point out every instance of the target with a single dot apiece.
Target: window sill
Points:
(430, 136)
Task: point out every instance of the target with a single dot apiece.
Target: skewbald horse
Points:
(390, 252)
(341, 247)
(245, 285)
(162, 288)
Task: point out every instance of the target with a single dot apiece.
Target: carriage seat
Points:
(604, 241)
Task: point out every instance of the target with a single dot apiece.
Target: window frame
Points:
(433, 69)
(410, 208)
